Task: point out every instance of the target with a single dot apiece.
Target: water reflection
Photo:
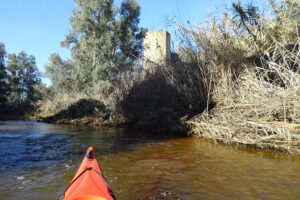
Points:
(38, 160)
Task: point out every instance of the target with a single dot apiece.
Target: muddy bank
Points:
(87, 112)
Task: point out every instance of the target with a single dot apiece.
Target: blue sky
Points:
(38, 26)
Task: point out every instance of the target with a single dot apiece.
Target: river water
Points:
(38, 160)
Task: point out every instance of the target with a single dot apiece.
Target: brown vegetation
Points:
(229, 82)
(148, 101)
(82, 112)
(257, 112)
(255, 85)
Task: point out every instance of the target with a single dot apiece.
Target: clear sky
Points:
(38, 26)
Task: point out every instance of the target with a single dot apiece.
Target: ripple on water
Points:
(38, 160)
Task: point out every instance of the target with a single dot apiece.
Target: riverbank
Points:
(91, 112)
(251, 110)
(234, 79)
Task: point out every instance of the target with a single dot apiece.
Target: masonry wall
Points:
(156, 48)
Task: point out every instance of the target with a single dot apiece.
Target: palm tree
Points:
(246, 17)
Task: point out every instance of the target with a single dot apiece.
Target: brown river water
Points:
(38, 160)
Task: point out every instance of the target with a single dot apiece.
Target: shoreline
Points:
(99, 122)
(187, 130)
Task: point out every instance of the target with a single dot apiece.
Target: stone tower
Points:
(156, 48)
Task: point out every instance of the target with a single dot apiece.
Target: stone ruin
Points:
(156, 48)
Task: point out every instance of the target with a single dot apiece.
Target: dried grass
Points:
(255, 110)
(58, 102)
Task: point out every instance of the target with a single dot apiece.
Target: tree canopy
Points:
(104, 41)
(22, 76)
(3, 76)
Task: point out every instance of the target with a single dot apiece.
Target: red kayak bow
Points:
(89, 182)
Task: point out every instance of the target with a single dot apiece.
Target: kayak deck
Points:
(89, 182)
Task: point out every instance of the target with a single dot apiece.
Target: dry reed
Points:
(255, 110)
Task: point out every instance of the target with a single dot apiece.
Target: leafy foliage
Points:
(247, 17)
(287, 18)
(103, 43)
(3, 76)
(260, 29)
(23, 75)
(20, 84)
(130, 35)
(61, 73)
(92, 43)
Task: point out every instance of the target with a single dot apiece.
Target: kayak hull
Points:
(89, 182)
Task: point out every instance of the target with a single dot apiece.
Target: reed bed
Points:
(256, 109)
(247, 66)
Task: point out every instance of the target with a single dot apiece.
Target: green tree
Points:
(285, 22)
(22, 66)
(42, 92)
(3, 76)
(31, 78)
(92, 42)
(246, 17)
(61, 74)
(130, 35)
(14, 79)
(102, 46)
(23, 75)
(287, 18)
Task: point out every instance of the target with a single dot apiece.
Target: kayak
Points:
(89, 182)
